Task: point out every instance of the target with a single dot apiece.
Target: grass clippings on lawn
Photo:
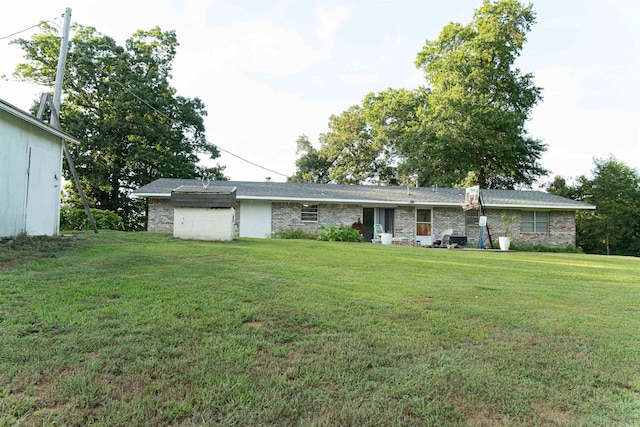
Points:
(143, 329)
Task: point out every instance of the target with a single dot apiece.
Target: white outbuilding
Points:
(30, 173)
(204, 213)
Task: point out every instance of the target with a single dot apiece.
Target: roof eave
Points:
(5, 106)
(384, 202)
(155, 195)
(541, 206)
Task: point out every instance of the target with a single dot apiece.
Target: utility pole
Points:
(55, 110)
(62, 59)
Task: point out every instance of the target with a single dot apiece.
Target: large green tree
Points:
(479, 101)
(119, 102)
(614, 227)
(466, 127)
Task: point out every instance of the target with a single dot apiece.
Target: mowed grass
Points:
(143, 329)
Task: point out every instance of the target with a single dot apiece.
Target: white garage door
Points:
(255, 219)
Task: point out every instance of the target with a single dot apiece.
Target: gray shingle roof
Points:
(364, 194)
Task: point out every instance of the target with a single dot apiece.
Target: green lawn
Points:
(143, 329)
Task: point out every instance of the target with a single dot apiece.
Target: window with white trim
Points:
(309, 213)
(423, 222)
(535, 222)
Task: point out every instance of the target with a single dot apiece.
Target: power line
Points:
(158, 111)
(216, 145)
(248, 161)
(26, 29)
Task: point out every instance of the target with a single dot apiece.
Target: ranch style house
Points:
(413, 215)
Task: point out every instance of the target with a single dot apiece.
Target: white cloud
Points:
(401, 38)
(576, 126)
(330, 22)
(261, 46)
(260, 124)
(256, 47)
(197, 10)
(358, 79)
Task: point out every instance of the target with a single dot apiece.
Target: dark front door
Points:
(368, 218)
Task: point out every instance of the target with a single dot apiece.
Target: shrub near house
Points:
(76, 219)
(341, 233)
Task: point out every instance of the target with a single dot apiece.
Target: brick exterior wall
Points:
(159, 215)
(405, 223)
(562, 229)
(444, 218)
(561, 232)
(287, 215)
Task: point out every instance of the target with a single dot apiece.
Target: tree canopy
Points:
(355, 154)
(479, 102)
(119, 103)
(466, 126)
(311, 166)
(614, 227)
(363, 143)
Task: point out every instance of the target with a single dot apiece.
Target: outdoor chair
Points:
(377, 230)
(444, 240)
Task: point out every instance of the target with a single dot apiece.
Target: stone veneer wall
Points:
(287, 215)
(562, 229)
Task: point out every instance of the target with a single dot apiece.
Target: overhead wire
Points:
(155, 109)
(27, 29)
(215, 145)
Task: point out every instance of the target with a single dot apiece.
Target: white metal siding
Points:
(204, 223)
(255, 219)
(17, 139)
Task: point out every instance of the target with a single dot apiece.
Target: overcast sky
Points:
(269, 71)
